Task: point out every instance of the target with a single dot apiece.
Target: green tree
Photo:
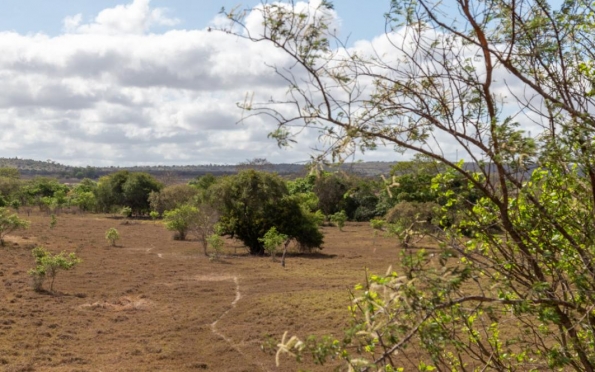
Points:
(47, 265)
(171, 197)
(82, 195)
(125, 188)
(180, 219)
(517, 294)
(136, 191)
(9, 223)
(272, 240)
(252, 202)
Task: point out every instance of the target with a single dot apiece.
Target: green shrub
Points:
(179, 220)
(273, 240)
(10, 223)
(111, 236)
(215, 241)
(126, 212)
(47, 265)
(339, 219)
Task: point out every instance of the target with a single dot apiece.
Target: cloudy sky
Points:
(133, 82)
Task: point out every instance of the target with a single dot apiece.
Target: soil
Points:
(155, 304)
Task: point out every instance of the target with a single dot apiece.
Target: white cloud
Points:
(108, 91)
(134, 18)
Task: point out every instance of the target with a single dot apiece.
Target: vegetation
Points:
(252, 202)
(9, 223)
(124, 188)
(47, 265)
(112, 235)
(272, 240)
(179, 220)
(126, 212)
(215, 241)
(511, 287)
(203, 223)
(339, 219)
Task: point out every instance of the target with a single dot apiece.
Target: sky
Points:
(144, 82)
(141, 82)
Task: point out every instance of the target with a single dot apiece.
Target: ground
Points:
(155, 304)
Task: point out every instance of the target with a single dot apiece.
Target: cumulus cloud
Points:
(108, 91)
(134, 18)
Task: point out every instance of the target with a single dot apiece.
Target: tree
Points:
(47, 265)
(272, 240)
(123, 188)
(252, 202)
(203, 223)
(9, 223)
(83, 195)
(179, 220)
(171, 197)
(476, 76)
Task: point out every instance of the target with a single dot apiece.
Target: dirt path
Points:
(217, 332)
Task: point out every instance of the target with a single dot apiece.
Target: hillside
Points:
(31, 168)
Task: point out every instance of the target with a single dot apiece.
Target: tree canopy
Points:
(252, 202)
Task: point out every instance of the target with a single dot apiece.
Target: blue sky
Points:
(361, 19)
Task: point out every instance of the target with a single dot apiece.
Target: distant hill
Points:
(31, 168)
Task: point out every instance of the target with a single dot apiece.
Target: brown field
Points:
(155, 304)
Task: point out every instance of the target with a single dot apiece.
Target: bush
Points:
(339, 219)
(179, 220)
(252, 202)
(126, 212)
(48, 265)
(111, 236)
(273, 240)
(216, 242)
(10, 223)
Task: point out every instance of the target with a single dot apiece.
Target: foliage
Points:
(330, 189)
(47, 265)
(179, 220)
(125, 188)
(215, 241)
(272, 240)
(203, 182)
(203, 223)
(126, 212)
(154, 215)
(517, 293)
(171, 197)
(9, 223)
(252, 202)
(339, 219)
(112, 235)
(53, 221)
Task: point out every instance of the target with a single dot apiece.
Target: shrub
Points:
(47, 265)
(216, 242)
(339, 219)
(179, 220)
(126, 212)
(111, 236)
(273, 240)
(10, 223)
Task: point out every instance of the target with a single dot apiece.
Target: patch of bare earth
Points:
(155, 304)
